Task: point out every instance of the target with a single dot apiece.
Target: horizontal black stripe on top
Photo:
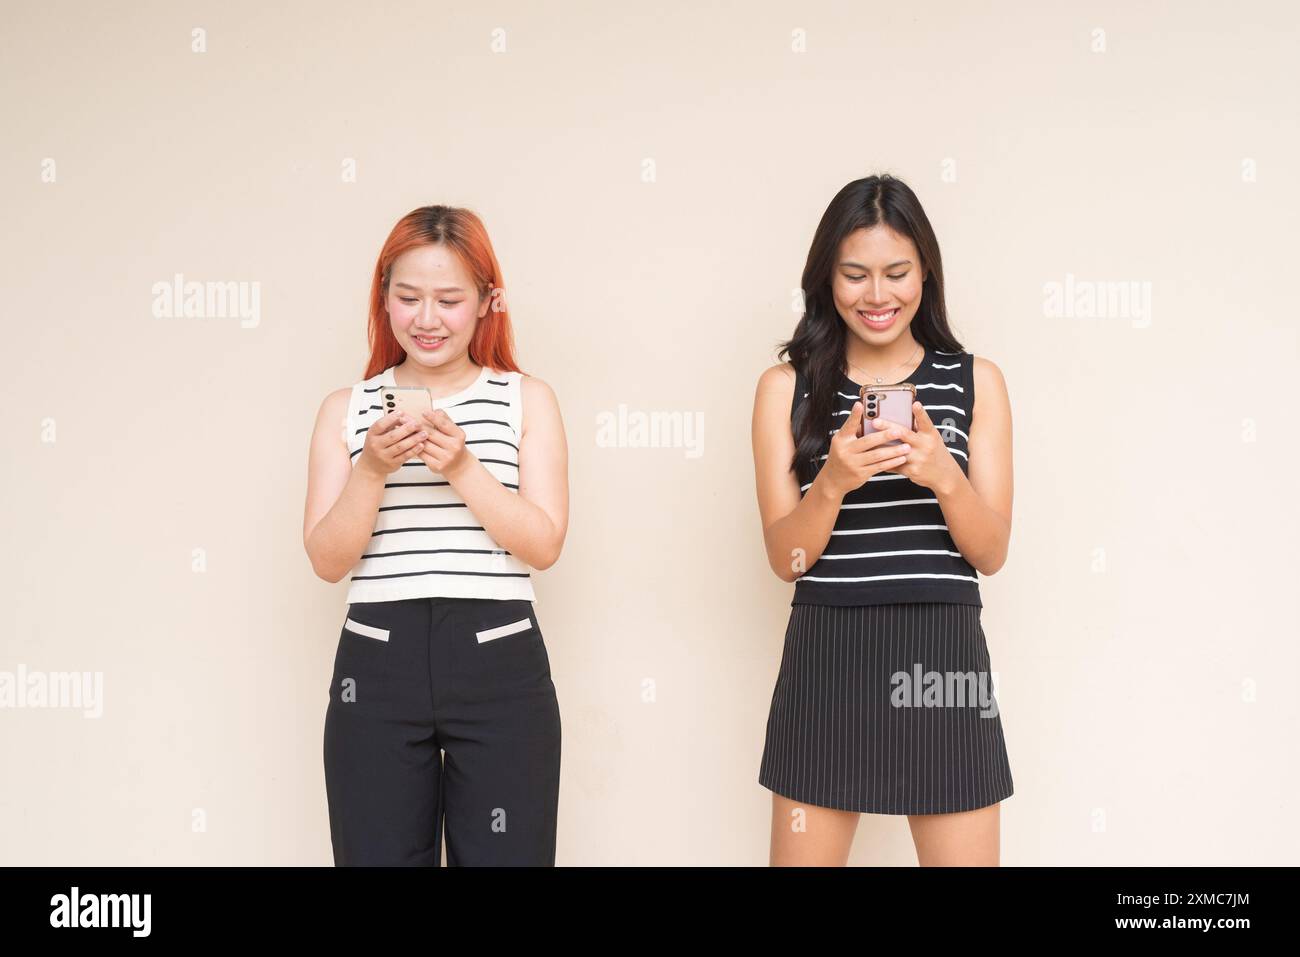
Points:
(358, 578)
(432, 551)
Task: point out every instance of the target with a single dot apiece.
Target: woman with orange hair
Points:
(441, 705)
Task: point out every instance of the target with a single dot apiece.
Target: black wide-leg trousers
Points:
(442, 712)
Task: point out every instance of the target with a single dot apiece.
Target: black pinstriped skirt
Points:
(886, 709)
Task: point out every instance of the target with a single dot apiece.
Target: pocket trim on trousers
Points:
(523, 624)
(369, 631)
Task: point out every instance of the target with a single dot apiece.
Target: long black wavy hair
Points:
(817, 348)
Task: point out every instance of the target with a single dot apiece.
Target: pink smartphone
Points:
(893, 403)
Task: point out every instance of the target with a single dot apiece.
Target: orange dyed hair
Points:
(462, 232)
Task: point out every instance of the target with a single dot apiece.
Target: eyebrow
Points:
(435, 289)
(901, 262)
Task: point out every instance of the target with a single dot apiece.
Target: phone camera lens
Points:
(871, 397)
(871, 413)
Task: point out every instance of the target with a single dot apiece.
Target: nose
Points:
(425, 319)
(877, 300)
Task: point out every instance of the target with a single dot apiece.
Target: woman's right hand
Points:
(852, 460)
(390, 442)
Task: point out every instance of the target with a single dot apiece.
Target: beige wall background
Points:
(1143, 629)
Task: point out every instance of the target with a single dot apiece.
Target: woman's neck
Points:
(883, 361)
(446, 379)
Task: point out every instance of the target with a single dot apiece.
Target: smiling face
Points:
(876, 284)
(433, 305)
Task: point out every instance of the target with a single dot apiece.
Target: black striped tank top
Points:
(890, 543)
(426, 541)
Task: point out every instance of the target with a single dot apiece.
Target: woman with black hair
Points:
(883, 702)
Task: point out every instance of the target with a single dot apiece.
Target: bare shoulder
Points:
(335, 405)
(540, 406)
(778, 379)
(332, 419)
(337, 399)
(535, 390)
(988, 378)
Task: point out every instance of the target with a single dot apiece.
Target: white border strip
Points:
(370, 631)
(523, 624)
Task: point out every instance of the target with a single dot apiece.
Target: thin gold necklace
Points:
(880, 379)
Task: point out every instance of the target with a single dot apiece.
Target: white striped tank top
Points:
(890, 542)
(426, 542)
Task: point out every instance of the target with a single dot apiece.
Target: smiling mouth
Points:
(429, 340)
(878, 317)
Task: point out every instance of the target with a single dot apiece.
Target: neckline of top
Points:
(926, 357)
(440, 402)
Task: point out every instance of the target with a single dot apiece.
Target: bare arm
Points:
(789, 522)
(977, 508)
(532, 524)
(795, 530)
(342, 501)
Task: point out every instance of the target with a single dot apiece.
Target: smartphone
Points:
(893, 403)
(414, 400)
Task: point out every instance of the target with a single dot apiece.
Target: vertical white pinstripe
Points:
(877, 713)
(915, 642)
(959, 750)
(987, 771)
(910, 649)
(969, 756)
(891, 757)
(833, 726)
(798, 753)
(803, 733)
(898, 786)
(980, 723)
(844, 692)
(813, 705)
(926, 638)
(933, 743)
(819, 698)
(831, 705)
(1004, 770)
(860, 746)
(789, 700)
(898, 782)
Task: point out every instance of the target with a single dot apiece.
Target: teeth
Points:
(880, 317)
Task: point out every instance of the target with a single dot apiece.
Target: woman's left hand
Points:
(444, 450)
(929, 463)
